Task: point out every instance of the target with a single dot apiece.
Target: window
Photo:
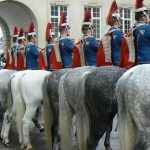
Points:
(126, 15)
(96, 18)
(55, 16)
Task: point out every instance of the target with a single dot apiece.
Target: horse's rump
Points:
(97, 103)
(67, 103)
(133, 97)
(50, 101)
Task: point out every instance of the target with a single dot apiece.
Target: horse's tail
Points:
(9, 96)
(48, 115)
(65, 117)
(127, 127)
(82, 118)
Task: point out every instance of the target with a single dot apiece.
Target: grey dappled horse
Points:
(133, 96)
(96, 106)
(67, 103)
(50, 106)
(5, 76)
(91, 97)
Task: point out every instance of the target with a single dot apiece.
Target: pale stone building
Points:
(21, 12)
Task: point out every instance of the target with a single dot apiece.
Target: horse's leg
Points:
(38, 120)
(8, 118)
(107, 138)
(27, 122)
(20, 113)
(4, 122)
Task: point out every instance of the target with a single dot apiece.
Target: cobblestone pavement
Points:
(38, 140)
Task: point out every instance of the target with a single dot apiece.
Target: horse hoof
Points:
(23, 147)
(108, 148)
(42, 130)
(7, 144)
(30, 148)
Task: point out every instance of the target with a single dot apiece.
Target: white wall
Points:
(14, 15)
(22, 12)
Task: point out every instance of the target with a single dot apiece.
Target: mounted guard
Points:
(110, 45)
(88, 45)
(136, 44)
(11, 58)
(14, 49)
(50, 39)
(68, 51)
(32, 51)
(21, 65)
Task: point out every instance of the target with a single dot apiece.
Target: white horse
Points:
(24, 97)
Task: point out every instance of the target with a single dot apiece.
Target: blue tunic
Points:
(48, 53)
(32, 56)
(142, 44)
(66, 49)
(14, 48)
(116, 42)
(91, 46)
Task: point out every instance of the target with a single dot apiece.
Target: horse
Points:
(50, 106)
(93, 102)
(133, 97)
(5, 76)
(96, 106)
(67, 103)
(24, 97)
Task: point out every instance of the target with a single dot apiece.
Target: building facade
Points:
(21, 12)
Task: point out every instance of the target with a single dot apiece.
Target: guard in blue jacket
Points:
(116, 42)
(116, 34)
(48, 48)
(110, 47)
(15, 45)
(141, 33)
(32, 51)
(66, 44)
(50, 36)
(90, 43)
